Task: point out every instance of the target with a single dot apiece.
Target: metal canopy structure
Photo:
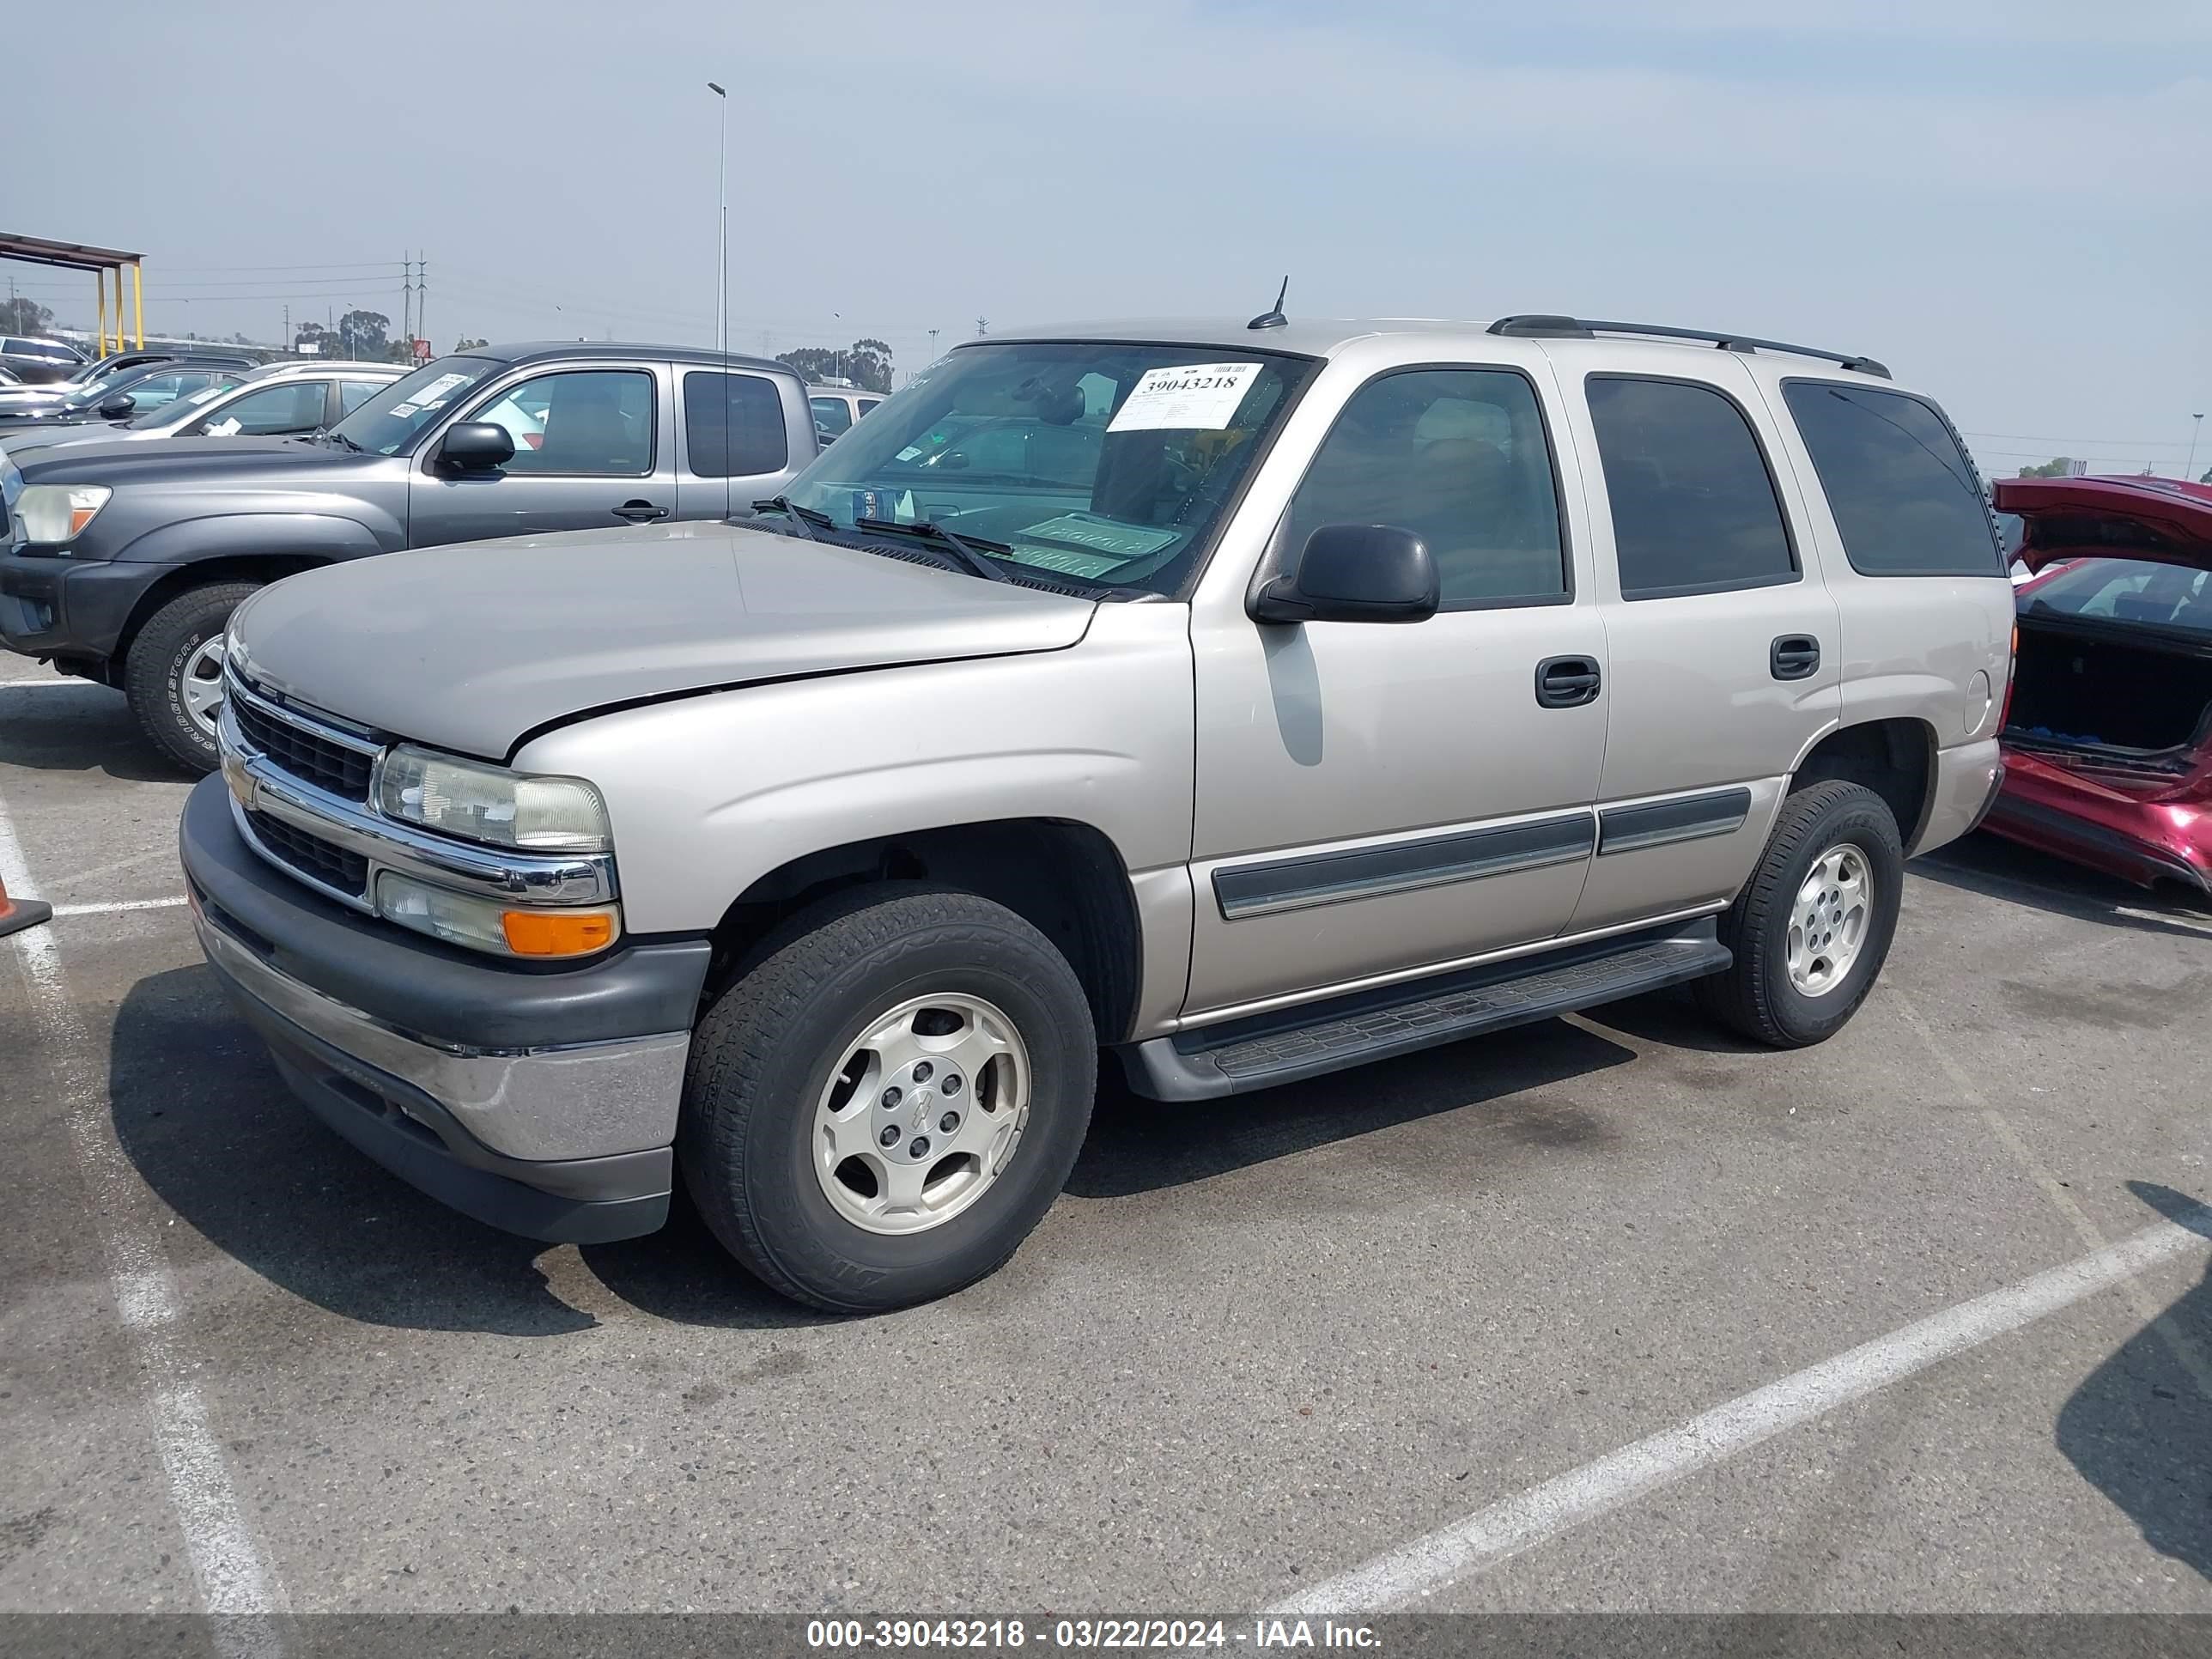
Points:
(78, 256)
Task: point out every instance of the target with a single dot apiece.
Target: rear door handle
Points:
(1566, 682)
(640, 512)
(1793, 657)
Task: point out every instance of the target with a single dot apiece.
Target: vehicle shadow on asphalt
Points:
(1138, 1146)
(78, 728)
(203, 1117)
(1996, 868)
(1671, 1017)
(2140, 1428)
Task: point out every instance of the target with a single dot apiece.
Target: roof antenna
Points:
(1274, 318)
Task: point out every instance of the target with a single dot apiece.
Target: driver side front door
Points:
(1378, 800)
(590, 453)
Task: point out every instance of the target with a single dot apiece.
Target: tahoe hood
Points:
(471, 647)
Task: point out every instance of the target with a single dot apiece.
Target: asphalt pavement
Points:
(1606, 1313)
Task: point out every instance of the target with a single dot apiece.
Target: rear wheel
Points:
(174, 677)
(879, 1110)
(1813, 927)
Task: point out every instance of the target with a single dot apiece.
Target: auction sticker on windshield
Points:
(1103, 536)
(437, 392)
(1190, 396)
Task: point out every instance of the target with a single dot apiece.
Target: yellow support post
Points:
(100, 277)
(137, 304)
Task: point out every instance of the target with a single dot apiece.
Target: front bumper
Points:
(70, 608)
(541, 1103)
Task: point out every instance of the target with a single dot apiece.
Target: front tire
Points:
(1813, 927)
(173, 676)
(885, 1104)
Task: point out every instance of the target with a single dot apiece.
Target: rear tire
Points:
(166, 677)
(1807, 952)
(787, 1144)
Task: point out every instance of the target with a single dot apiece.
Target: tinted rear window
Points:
(1906, 498)
(1693, 507)
(732, 425)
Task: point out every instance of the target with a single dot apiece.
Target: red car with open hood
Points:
(2108, 734)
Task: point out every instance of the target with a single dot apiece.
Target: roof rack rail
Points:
(1536, 325)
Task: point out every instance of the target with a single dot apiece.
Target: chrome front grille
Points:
(339, 768)
(323, 756)
(329, 866)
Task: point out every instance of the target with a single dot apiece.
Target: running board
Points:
(1262, 1051)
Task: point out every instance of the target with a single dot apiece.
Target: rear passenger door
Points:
(740, 441)
(1723, 643)
(591, 452)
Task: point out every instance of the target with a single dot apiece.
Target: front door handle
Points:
(640, 512)
(1793, 657)
(1566, 682)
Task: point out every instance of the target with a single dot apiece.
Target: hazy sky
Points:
(2008, 201)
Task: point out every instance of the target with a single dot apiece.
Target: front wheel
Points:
(881, 1109)
(1813, 927)
(173, 676)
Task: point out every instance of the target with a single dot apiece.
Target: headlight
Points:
(487, 924)
(51, 513)
(491, 804)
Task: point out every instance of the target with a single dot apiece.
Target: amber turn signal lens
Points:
(557, 932)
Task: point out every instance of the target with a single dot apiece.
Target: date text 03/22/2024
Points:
(1160, 1635)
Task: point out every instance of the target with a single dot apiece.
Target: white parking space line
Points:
(234, 1579)
(116, 906)
(1481, 1539)
(2178, 1341)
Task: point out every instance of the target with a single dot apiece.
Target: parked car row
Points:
(32, 361)
(118, 388)
(283, 399)
(163, 540)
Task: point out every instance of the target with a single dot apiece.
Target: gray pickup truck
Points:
(122, 561)
(1245, 701)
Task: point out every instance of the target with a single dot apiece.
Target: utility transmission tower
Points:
(982, 327)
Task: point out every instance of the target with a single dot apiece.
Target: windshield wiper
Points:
(803, 519)
(967, 552)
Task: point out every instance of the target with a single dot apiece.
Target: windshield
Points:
(98, 389)
(169, 414)
(388, 421)
(1107, 463)
(2134, 591)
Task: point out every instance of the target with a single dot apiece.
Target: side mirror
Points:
(1374, 573)
(117, 407)
(476, 447)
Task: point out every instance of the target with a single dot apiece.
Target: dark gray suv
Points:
(124, 561)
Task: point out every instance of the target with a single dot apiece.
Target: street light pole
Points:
(2190, 467)
(723, 213)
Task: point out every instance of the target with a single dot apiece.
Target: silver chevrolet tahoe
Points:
(1248, 701)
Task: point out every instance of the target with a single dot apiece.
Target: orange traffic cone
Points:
(16, 915)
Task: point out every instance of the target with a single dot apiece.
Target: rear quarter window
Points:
(732, 425)
(1906, 500)
(1694, 509)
